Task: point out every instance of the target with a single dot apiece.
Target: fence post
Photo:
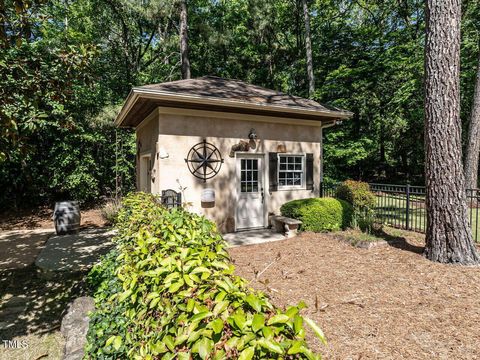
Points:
(407, 211)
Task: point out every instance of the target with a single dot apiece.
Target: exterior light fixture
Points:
(281, 148)
(253, 134)
(161, 152)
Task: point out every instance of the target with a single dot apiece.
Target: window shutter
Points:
(309, 171)
(272, 171)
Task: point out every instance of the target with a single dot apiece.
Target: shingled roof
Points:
(218, 94)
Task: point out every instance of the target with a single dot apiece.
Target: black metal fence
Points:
(403, 206)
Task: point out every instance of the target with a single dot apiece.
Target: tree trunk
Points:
(473, 144)
(449, 236)
(308, 49)
(184, 40)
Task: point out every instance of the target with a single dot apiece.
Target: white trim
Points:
(135, 93)
(127, 105)
(329, 124)
(304, 173)
(263, 156)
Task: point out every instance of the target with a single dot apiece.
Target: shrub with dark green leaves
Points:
(106, 321)
(363, 201)
(319, 214)
(179, 298)
(356, 193)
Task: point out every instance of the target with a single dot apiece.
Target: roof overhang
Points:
(141, 102)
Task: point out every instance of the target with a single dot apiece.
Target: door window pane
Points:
(249, 175)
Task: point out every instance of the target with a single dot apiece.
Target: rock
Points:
(75, 326)
(371, 244)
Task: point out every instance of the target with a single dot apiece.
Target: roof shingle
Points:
(236, 91)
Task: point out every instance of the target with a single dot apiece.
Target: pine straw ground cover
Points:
(383, 303)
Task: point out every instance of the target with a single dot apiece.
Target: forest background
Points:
(66, 67)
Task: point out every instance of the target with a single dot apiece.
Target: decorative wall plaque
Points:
(204, 160)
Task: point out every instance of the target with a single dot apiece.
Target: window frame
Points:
(258, 180)
(303, 179)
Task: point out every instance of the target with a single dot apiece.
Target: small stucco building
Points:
(251, 149)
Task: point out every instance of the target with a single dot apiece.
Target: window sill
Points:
(289, 188)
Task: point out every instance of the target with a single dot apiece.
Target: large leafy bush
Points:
(363, 201)
(171, 293)
(319, 214)
(356, 193)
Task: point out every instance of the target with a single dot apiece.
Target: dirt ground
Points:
(31, 307)
(41, 218)
(31, 310)
(384, 303)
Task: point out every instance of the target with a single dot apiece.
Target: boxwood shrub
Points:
(169, 291)
(319, 214)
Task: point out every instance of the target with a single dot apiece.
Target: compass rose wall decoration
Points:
(204, 160)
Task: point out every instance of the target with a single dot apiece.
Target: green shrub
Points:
(107, 320)
(363, 201)
(173, 294)
(356, 193)
(319, 214)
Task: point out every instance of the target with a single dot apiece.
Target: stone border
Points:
(74, 327)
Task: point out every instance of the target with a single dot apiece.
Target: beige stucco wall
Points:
(147, 136)
(177, 132)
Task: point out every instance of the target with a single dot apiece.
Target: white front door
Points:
(250, 192)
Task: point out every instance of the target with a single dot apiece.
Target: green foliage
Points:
(107, 321)
(319, 214)
(51, 146)
(64, 77)
(356, 193)
(175, 295)
(363, 201)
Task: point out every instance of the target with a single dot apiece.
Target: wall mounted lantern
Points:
(281, 148)
(161, 152)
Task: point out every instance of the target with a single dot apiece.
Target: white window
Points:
(291, 171)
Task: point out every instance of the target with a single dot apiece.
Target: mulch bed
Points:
(384, 303)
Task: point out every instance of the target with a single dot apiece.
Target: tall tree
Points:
(185, 66)
(473, 143)
(308, 49)
(449, 237)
